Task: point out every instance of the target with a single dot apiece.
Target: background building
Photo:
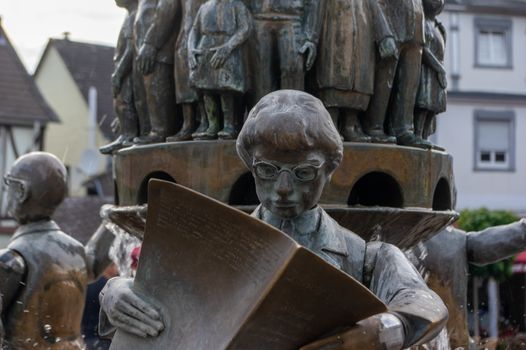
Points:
(484, 127)
(75, 79)
(24, 116)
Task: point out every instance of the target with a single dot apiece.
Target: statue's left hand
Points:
(309, 47)
(220, 56)
(378, 332)
(146, 58)
(442, 80)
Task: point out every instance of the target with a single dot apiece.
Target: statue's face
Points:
(289, 183)
(15, 196)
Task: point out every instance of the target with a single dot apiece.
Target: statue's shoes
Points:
(205, 136)
(150, 138)
(354, 135)
(378, 136)
(227, 134)
(181, 136)
(116, 145)
(411, 140)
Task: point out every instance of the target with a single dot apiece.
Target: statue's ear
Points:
(23, 191)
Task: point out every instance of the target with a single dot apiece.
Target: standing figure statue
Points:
(122, 82)
(431, 98)
(285, 43)
(44, 272)
(215, 44)
(292, 148)
(450, 281)
(185, 95)
(396, 79)
(346, 61)
(156, 31)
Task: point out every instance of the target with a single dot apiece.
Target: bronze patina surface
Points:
(290, 173)
(214, 168)
(268, 292)
(43, 271)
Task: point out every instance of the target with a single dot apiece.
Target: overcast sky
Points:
(30, 23)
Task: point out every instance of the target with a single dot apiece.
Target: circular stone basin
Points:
(401, 227)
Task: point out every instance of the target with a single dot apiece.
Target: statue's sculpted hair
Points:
(290, 120)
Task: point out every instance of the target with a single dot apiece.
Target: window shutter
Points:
(494, 135)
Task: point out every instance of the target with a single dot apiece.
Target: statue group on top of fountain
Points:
(198, 66)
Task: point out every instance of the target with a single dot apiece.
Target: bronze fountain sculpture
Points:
(44, 272)
(290, 173)
(377, 68)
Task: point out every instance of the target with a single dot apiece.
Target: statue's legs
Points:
(127, 115)
(374, 119)
(212, 114)
(291, 60)
(420, 120)
(139, 96)
(351, 127)
(335, 116)
(203, 120)
(189, 121)
(229, 131)
(403, 97)
(404, 91)
(160, 97)
(265, 54)
(279, 65)
(430, 125)
(126, 112)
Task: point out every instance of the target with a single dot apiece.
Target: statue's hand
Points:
(116, 82)
(146, 58)
(310, 48)
(127, 311)
(442, 80)
(220, 56)
(192, 58)
(378, 332)
(388, 48)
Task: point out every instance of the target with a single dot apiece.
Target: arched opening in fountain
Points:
(244, 191)
(442, 196)
(376, 189)
(142, 195)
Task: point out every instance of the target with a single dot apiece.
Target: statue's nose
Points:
(284, 184)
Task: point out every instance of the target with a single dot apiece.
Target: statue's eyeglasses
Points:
(301, 172)
(10, 181)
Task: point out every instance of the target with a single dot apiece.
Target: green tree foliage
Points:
(480, 219)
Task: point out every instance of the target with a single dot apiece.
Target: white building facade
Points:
(484, 127)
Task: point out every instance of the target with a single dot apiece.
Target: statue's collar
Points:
(315, 222)
(305, 224)
(35, 227)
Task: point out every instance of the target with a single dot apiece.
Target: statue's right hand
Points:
(387, 48)
(127, 311)
(192, 58)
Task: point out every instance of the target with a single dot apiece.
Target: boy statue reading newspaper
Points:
(292, 147)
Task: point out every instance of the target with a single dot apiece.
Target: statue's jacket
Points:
(381, 267)
(47, 310)
(450, 281)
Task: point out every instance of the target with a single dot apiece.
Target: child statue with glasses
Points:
(292, 147)
(43, 271)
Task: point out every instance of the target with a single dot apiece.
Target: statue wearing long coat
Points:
(346, 60)
(184, 93)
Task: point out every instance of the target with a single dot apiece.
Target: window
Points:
(494, 140)
(493, 42)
